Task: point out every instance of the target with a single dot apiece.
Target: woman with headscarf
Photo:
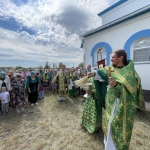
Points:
(11, 75)
(24, 74)
(18, 89)
(32, 85)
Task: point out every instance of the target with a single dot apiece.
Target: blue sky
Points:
(36, 31)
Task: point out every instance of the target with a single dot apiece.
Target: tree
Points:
(49, 65)
(60, 65)
(81, 64)
(40, 67)
(18, 67)
(46, 65)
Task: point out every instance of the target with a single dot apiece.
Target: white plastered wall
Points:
(116, 37)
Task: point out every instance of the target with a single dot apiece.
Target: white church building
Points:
(125, 25)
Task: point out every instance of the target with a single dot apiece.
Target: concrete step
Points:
(147, 106)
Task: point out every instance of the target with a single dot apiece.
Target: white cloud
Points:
(56, 24)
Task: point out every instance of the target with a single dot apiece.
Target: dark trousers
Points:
(32, 97)
(80, 91)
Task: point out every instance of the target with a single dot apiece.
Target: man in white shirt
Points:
(5, 81)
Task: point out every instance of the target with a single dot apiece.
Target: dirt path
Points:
(56, 126)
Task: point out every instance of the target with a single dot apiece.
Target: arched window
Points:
(141, 50)
(101, 54)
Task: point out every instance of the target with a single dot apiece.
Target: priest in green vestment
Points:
(61, 80)
(124, 96)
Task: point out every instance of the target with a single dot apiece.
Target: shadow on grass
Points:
(13, 120)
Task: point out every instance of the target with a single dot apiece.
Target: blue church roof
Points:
(112, 7)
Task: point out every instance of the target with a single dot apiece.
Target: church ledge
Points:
(112, 7)
(146, 94)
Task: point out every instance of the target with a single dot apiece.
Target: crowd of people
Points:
(34, 83)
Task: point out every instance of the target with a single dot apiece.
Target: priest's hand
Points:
(88, 92)
(90, 74)
(112, 81)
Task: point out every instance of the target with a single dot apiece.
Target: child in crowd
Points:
(41, 92)
(5, 99)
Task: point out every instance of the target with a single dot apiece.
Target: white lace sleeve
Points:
(97, 76)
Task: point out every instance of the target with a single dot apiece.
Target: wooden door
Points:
(101, 63)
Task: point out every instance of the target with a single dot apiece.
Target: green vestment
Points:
(129, 93)
(68, 77)
(101, 88)
(72, 92)
(92, 112)
(61, 81)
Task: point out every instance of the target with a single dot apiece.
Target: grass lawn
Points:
(55, 125)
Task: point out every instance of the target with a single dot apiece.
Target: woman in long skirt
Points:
(33, 88)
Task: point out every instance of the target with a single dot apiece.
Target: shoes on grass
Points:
(17, 110)
(22, 109)
(32, 104)
(6, 112)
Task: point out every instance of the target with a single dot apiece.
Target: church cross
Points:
(110, 71)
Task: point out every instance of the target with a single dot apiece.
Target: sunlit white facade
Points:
(125, 25)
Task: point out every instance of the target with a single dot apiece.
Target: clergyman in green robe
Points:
(123, 97)
(61, 80)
